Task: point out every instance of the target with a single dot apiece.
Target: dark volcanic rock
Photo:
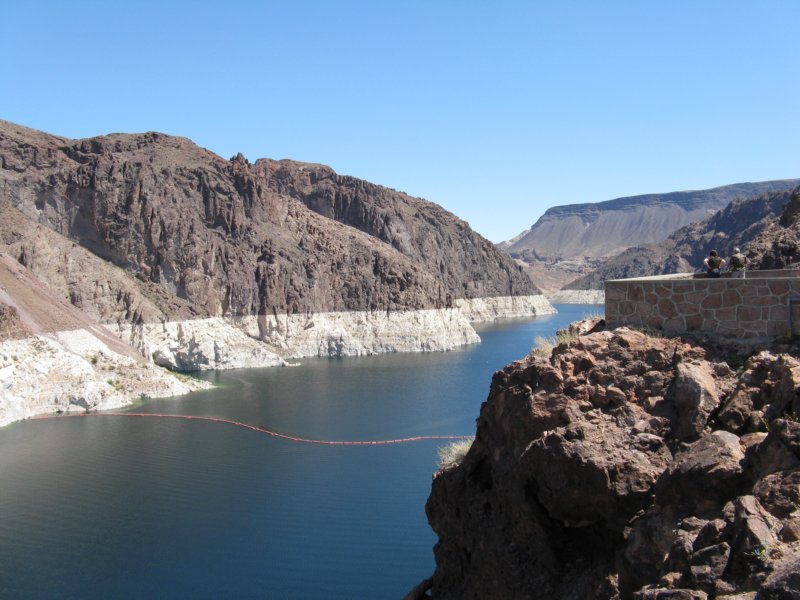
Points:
(694, 396)
(778, 245)
(466, 263)
(594, 472)
(602, 471)
(235, 238)
(704, 475)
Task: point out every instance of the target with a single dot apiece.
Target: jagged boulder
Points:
(704, 475)
(613, 468)
(594, 471)
(694, 395)
(784, 581)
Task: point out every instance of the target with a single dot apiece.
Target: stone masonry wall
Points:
(746, 308)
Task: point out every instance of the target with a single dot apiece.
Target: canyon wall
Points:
(170, 255)
(230, 238)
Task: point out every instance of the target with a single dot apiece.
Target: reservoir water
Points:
(116, 507)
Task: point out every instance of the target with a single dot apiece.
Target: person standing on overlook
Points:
(738, 263)
(714, 263)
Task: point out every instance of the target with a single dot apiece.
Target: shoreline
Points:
(75, 371)
(577, 297)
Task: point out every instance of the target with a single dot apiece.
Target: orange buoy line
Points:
(269, 432)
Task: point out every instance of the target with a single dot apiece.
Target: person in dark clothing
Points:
(714, 263)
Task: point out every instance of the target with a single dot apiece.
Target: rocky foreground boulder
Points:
(627, 466)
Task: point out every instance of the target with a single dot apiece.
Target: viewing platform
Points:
(764, 304)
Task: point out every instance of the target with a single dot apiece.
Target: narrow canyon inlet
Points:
(116, 507)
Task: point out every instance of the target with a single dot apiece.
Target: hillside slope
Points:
(124, 253)
(739, 224)
(607, 228)
(777, 246)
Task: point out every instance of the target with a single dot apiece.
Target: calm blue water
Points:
(152, 508)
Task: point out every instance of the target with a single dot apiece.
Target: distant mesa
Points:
(573, 241)
(607, 228)
(765, 227)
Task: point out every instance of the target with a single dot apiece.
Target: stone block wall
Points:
(755, 307)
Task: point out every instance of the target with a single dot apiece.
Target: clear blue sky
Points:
(495, 110)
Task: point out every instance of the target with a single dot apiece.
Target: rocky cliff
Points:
(627, 466)
(238, 239)
(148, 228)
(754, 224)
(156, 248)
(777, 245)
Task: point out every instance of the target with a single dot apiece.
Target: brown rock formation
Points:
(778, 245)
(230, 238)
(101, 290)
(625, 466)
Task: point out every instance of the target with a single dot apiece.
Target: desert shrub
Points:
(453, 453)
(543, 346)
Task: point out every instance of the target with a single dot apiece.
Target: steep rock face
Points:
(237, 239)
(738, 224)
(463, 260)
(607, 470)
(778, 245)
(97, 287)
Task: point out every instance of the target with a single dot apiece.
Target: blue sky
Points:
(496, 111)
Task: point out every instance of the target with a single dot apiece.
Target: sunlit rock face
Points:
(234, 238)
(168, 255)
(627, 466)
